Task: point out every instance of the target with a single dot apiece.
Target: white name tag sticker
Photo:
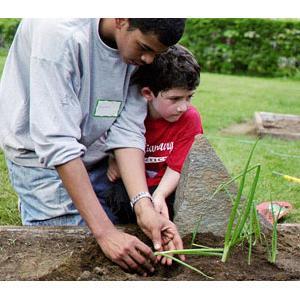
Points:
(107, 108)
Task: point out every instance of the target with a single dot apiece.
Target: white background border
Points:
(151, 8)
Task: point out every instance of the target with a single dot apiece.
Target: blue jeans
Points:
(43, 200)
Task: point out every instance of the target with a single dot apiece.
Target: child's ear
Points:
(147, 93)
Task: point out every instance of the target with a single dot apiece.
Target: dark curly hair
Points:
(169, 31)
(175, 68)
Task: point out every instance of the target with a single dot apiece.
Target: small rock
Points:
(85, 275)
(100, 271)
(131, 276)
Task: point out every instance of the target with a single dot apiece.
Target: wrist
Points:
(159, 194)
(102, 230)
(143, 205)
(134, 200)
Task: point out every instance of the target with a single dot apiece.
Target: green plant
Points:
(182, 263)
(273, 254)
(247, 223)
(264, 47)
(199, 252)
(234, 232)
(8, 27)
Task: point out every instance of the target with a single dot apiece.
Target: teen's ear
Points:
(120, 22)
(147, 93)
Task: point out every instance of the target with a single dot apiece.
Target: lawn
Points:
(224, 100)
(3, 54)
(8, 199)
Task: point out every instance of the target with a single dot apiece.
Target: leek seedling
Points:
(273, 254)
(183, 264)
(254, 230)
(200, 252)
(233, 234)
(256, 225)
(223, 185)
(195, 232)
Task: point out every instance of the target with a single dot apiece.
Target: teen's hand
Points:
(157, 227)
(166, 247)
(127, 251)
(113, 172)
(160, 204)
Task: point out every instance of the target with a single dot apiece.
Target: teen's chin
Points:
(132, 62)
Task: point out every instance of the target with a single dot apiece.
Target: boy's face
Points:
(135, 47)
(169, 105)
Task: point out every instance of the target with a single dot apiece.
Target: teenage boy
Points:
(168, 85)
(65, 83)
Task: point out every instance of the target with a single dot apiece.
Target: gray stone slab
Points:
(202, 173)
(283, 126)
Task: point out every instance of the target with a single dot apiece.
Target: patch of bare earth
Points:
(50, 257)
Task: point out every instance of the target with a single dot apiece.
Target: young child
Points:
(168, 85)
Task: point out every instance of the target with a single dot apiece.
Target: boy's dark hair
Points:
(169, 31)
(175, 68)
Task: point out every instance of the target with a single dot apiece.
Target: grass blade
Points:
(256, 225)
(196, 229)
(200, 246)
(186, 265)
(228, 243)
(203, 252)
(274, 242)
(250, 236)
(223, 185)
(247, 210)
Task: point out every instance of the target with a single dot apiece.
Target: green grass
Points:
(8, 199)
(224, 100)
(3, 53)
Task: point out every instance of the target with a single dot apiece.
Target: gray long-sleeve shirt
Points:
(61, 89)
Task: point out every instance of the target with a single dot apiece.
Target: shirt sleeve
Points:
(55, 113)
(128, 131)
(188, 128)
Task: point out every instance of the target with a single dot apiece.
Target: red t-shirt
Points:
(167, 144)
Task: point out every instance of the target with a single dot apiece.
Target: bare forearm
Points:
(168, 183)
(132, 169)
(76, 180)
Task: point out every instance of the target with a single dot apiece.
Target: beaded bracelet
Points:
(138, 197)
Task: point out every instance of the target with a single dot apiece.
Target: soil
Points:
(281, 128)
(247, 128)
(49, 258)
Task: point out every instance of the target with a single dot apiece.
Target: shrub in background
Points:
(8, 28)
(264, 47)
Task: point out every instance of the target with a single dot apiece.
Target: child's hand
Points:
(160, 204)
(113, 172)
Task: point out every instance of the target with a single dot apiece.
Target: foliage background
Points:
(263, 47)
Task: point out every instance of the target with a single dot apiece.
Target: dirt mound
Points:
(90, 264)
(72, 254)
